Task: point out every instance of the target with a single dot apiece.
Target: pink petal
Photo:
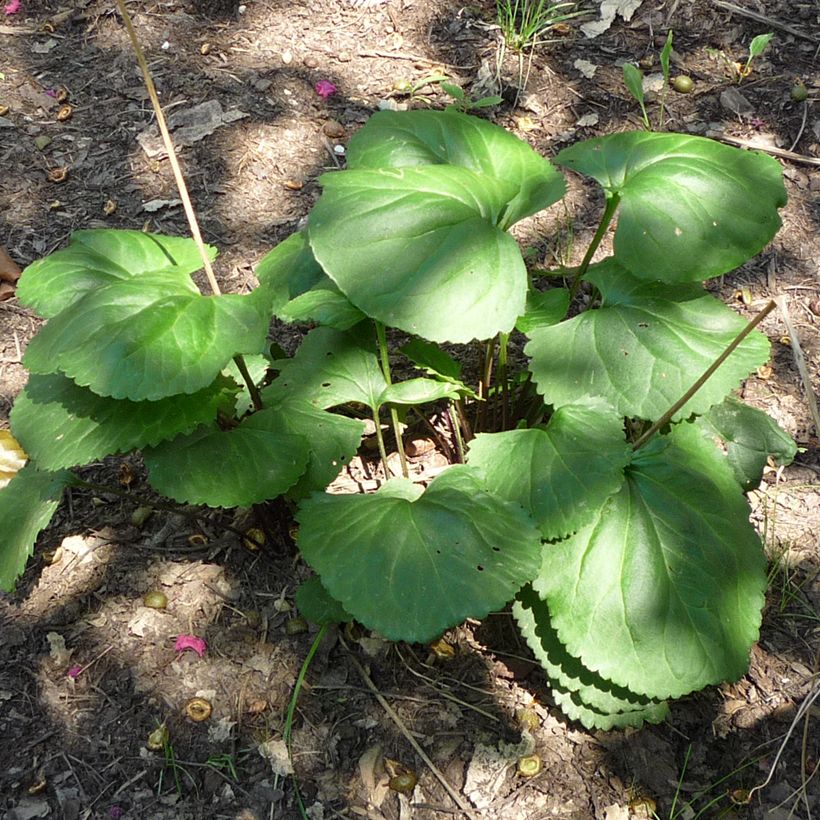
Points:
(184, 642)
(74, 672)
(50, 92)
(12, 7)
(324, 88)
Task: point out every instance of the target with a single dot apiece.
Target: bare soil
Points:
(76, 746)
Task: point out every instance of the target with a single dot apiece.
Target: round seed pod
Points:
(799, 92)
(155, 599)
(683, 84)
(403, 783)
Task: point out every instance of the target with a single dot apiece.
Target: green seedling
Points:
(739, 71)
(633, 79)
(464, 102)
(592, 493)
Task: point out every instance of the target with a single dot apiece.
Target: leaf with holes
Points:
(410, 562)
(690, 207)
(561, 473)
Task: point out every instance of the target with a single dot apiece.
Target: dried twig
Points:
(768, 149)
(457, 798)
(762, 18)
(800, 362)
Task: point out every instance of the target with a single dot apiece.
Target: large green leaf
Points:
(562, 473)
(411, 563)
(148, 337)
(690, 207)
(99, 257)
(332, 441)
(662, 592)
(61, 424)
(643, 348)
(330, 368)
(411, 246)
(746, 436)
(583, 694)
(401, 139)
(27, 503)
(251, 463)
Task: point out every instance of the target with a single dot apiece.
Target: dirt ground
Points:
(75, 745)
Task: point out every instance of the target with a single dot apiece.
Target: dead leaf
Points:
(12, 457)
(609, 8)
(9, 269)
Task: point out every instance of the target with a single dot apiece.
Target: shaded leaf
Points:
(411, 563)
(544, 309)
(315, 603)
(62, 424)
(431, 358)
(251, 463)
(27, 504)
(288, 271)
(643, 348)
(324, 304)
(561, 473)
(583, 695)
(330, 368)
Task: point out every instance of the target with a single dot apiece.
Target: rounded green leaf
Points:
(315, 603)
(393, 139)
(690, 207)
(643, 348)
(562, 473)
(544, 309)
(251, 463)
(287, 271)
(410, 246)
(419, 391)
(62, 424)
(746, 437)
(330, 368)
(27, 503)
(412, 563)
(147, 338)
(662, 592)
(583, 694)
(99, 257)
(333, 441)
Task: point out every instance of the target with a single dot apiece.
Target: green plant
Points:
(588, 494)
(633, 79)
(524, 22)
(739, 71)
(464, 102)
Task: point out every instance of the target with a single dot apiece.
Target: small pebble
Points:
(333, 129)
(310, 62)
(287, 57)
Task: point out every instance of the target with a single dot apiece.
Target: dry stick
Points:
(800, 362)
(767, 149)
(169, 147)
(181, 186)
(410, 739)
(762, 18)
(802, 125)
(667, 416)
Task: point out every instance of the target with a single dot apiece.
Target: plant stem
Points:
(180, 182)
(503, 343)
(612, 202)
(256, 396)
(394, 416)
(454, 415)
(667, 416)
(388, 473)
(484, 384)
